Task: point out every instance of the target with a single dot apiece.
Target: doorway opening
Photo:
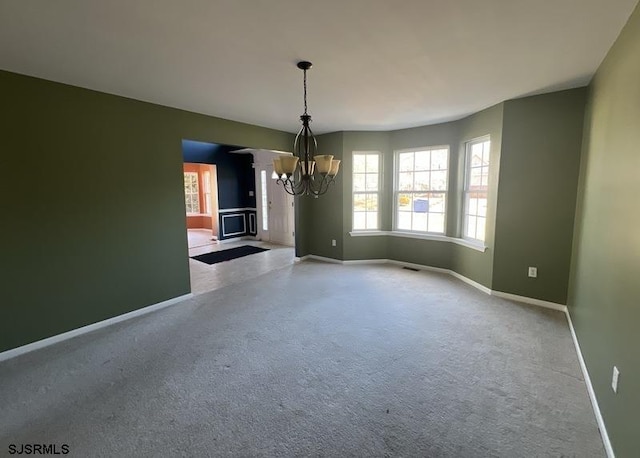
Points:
(201, 203)
(277, 209)
(229, 204)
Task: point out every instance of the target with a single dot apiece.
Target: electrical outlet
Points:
(333, 242)
(614, 379)
(533, 272)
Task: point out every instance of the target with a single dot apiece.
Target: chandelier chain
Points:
(305, 92)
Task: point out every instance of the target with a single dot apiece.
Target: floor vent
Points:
(411, 269)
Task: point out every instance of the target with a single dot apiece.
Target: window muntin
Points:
(366, 191)
(207, 191)
(421, 190)
(476, 188)
(191, 194)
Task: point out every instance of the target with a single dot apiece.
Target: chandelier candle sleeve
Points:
(335, 165)
(277, 167)
(288, 164)
(323, 163)
(307, 167)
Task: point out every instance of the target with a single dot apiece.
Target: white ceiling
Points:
(378, 64)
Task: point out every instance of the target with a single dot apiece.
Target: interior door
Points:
(280, 213)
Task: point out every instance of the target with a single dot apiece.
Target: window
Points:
(366, 191)
(191, 198)
(207, 192)
(421, 189)
(476, 187)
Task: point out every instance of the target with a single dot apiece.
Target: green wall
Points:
(92, 203)
(476, 265)
(302, 226)
(325, 221)
(366, 247)
(541, 141)
(604, 295)
(535, 157)
(94, 223)
(445, 134)
(334, 215)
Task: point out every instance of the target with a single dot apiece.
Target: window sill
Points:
(477, 246)
(367, 233)
(474, 245)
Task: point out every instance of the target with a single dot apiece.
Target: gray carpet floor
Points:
(312, 360)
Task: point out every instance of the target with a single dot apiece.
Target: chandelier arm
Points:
(299, 187)
(288, 187)
(324, 185)
(317, 187)
(315, 142)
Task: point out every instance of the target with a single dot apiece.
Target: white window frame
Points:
(378, 192)
(465, 190)
(206, 178)
(396, 191)
(197, 193)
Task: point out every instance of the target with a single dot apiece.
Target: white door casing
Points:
(280, 213)
(279, 205)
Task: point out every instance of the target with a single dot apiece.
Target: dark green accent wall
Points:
(319, 220)
(604, 294)
(303, 226)
(325, 221)
(541, 141)
(91, 192)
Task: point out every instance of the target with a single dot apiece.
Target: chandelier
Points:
(305, 173)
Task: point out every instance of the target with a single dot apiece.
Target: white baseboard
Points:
(475, 284)
(441, 270)
(237, 239)
(530, 300)
(412, 265)
(592, 394)
(468, 281)
(322, 258)
(509, 296)
(355, 262)
(8, 354)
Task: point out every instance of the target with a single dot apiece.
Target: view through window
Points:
(421, 190)
(191, 198)
(476, 188)
(366, 190)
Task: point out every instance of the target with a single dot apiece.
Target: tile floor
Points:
(206, 277)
